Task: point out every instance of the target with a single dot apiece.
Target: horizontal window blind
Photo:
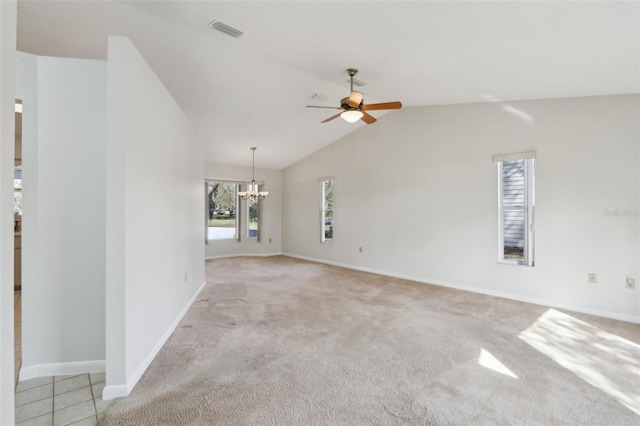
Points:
(513, 203)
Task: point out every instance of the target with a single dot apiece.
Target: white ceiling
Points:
(252, 91)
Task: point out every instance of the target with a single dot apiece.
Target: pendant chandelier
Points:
(252, 192)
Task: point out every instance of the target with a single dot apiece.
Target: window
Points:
(516, 209)
(252, 218)
(222, 198)
(17, 191)
(326, 213)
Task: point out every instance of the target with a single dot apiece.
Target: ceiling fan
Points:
(353, 107)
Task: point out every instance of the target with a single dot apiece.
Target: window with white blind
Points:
(516, 208)
(326, 211)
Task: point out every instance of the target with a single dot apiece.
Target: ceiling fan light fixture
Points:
(351, 115)
(355, 99)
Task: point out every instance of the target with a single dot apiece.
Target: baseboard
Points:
(117, 391)
(62, 369)
(113, 392)
(542, 302)
(225, 256)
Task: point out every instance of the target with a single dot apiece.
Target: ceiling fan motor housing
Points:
(344, 104)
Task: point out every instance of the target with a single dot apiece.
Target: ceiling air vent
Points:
(318, 97)
(223, 28)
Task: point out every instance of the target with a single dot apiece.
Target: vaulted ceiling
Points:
(252, 90)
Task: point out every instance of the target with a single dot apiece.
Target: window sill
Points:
(513, 263)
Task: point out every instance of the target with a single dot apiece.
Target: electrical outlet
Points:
(593, 278)
(186, 277)
(631, 283)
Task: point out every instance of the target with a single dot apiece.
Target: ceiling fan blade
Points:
(331, 118)
(369, 119)
(355, 98)
(316, 106)
(383, 105)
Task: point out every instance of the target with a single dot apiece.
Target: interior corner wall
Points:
(63, 225)
(155, 206)
(270, 215)
(418, 192)
(8, 13)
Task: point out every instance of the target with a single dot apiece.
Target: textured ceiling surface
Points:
(252, 91)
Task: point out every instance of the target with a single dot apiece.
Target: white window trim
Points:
(206, 212)
(517, 156)
(207, 181)
(238, 213)
(529, 212)
(247, 220)
(323, 238)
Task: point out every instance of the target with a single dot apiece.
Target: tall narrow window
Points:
(253, 210)
(326, 214)
(17, 191)
(516, 209)
(222, 201)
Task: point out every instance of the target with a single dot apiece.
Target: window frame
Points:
(248, 203)
(17, 191)
(324, 209)
(528, 209)
(237, 209)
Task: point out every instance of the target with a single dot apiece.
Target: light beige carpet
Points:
(279, 341)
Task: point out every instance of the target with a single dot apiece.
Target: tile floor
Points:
(61, 400)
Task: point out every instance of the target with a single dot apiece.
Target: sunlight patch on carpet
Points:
(602, 359)
(487, 360)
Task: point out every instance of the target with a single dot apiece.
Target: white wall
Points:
(63, 285)
(418, 192)
(7, 96)
(270, 219)
(155, 207)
